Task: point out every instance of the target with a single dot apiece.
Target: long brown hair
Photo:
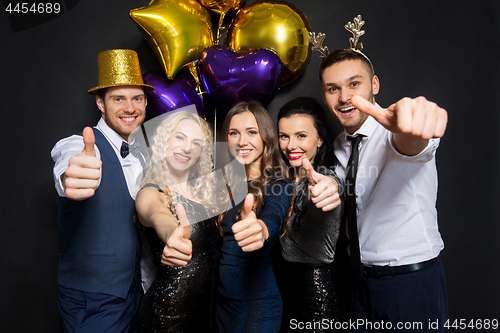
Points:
(272, 166)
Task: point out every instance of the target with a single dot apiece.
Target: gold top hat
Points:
(118, 68)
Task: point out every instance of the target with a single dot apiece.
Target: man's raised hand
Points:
(413, 121)
(324, 190)
(418, 116)
(81, 178)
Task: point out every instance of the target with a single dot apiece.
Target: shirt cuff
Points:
(425, 155)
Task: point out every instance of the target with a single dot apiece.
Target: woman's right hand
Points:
(250, 232)
(178, 247)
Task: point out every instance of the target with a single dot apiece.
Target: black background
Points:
(447, 51)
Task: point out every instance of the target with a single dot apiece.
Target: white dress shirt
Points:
(70, 146)
(396, 198)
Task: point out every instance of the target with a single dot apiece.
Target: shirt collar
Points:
(114, 138)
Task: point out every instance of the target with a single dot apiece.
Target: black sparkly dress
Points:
(182, 299)
(306, 274)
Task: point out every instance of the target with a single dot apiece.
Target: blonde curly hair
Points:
(200, 178)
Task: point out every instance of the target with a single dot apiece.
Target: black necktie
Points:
(134, 149)
(350, 207)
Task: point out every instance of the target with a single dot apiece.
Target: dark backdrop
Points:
(447, 51)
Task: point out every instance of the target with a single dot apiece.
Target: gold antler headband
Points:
(354, 28)
(317, 42)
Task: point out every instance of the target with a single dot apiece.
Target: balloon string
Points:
(193, 69)
(221, 21)
(215, 138)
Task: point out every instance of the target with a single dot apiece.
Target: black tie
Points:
(133, 149)
(350, 207)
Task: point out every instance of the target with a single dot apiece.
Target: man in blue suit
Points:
(96, 177)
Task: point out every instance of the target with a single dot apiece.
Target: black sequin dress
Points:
(182, 299)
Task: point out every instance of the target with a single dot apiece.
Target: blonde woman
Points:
(174, 209)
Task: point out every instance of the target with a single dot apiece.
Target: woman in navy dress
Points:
(248, 299)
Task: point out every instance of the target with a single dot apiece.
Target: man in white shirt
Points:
(95, 176)
(402, 283)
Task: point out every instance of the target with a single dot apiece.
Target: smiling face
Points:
(298, 138)
(245, 141)
(184, 146)
(340, 82)
(123, 109)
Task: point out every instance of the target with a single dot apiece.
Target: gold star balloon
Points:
(177, 30)
(277, 25)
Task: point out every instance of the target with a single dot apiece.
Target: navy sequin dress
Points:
(182, 299)
(248, 298)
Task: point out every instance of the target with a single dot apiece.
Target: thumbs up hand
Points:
(250, 232)
(178, 248)
(312, 176)
(324, 190)
(413, 121)
(81, 178)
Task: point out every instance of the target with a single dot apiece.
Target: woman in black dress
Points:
(175, 208)
(306, 274)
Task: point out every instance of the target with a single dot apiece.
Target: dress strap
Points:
(152, 185)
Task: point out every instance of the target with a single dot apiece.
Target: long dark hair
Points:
(310, 107)
(324, 158)
(272, 166)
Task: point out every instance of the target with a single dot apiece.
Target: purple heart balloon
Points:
(231, 77)
(173, 94)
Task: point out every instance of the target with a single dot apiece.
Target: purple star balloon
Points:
(173, 94)
(231, 77)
